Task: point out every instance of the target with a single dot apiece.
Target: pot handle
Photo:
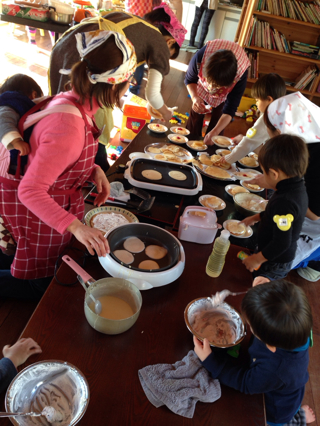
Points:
(51, 7)
(77, 268)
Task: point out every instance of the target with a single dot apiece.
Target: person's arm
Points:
(9, 120)
(192, 74)
(153, 94)
(255, 136)
(7, 373)
(310, 215)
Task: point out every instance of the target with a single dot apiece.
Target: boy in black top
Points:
(283, 160)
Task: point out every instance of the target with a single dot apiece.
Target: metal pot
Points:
(116, 287)
(60, 18)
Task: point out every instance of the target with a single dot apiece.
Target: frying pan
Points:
(149, 234)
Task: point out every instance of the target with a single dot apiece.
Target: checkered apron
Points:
(299, 419)
(39, 245)
(221, 93)
(138, 7)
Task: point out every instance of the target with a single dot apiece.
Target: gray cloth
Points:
(179, 386)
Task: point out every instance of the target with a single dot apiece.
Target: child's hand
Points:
(21, 146)
(251, 220)
(254, 261)
(237, 139)
(203, 350)
(21, 350)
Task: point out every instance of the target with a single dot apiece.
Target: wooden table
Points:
(111, 363)
(168, 207)
(48, 25)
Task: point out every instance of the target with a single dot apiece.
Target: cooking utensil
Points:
(116, 287)
(31, 414)
(42, 384)
(201, 305)
(86, 277)
(60, 18)
(140, 206)
(218, 298)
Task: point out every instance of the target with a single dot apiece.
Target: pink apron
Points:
(138, 7)
(38, 245)
(221, 93)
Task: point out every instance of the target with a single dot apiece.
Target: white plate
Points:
(139, 155)
(162, 129)
(244, 165)
(246, 235)
(181, 141)
(185, 158)
(176, 129)
(131, 218)
(228, 187)
(222, 203)
(220, 151)
(248, 172)
(227, 143)
(196, 149)
(242, 183)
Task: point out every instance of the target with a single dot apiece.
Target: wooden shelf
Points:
(289, 88)
(289, 20)
(284, 55)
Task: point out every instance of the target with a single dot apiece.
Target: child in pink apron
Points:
(45, 208)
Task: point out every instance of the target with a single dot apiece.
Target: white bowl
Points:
(183, 131)
(205, 147)
(134, 155)
(231, 186)
(204, 197)
(218, 141)
(153, 128)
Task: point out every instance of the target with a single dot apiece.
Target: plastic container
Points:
(134, 118)
(217, 258)
(198, 225)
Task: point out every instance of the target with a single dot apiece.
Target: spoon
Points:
(219, 297)
(31, 414)
(97, 303)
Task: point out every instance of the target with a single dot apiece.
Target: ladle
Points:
(219, 297)
(82, 277)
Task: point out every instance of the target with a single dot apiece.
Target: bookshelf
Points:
(289, 66)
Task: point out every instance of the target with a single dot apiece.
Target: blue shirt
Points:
(233, 98)
(7, 372)
(281, 376)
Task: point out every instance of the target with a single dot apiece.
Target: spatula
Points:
(140, 206)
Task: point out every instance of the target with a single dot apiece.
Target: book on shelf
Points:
(294, 9)
(306, 77)
(253, 71)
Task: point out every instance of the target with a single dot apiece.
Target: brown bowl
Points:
(204, 304)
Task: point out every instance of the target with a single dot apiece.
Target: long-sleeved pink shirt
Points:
(56, 144)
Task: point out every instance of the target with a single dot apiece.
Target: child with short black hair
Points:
(14, 356)
(280, 319)
(265, 90)
(284, 161)
(17, 95)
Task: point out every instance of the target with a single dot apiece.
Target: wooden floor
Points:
(17, 56)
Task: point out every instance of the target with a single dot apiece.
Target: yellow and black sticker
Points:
(283, 222)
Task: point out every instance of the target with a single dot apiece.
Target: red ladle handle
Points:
(73, 265)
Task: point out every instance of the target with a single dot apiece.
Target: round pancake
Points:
(160, 157)
(197, 144)
(134, 245)
(204, 159)
(154, 150)
(237, 189)
(223, 141)
(215, 158)
(175, 159)
(225, 152)
(175, 174)
(157, 127)
(236, 228)
(156, 252)
(180, 130)
(217, 172)
(148, 264)
(212, 202)
(249, 161)
(124, 256)
(151, 174)
(252, 186)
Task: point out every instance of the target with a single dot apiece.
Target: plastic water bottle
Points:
(217, 258)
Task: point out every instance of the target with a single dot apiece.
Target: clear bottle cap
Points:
(225, 234)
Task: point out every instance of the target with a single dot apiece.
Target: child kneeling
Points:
(280, 319)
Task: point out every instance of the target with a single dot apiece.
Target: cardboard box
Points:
(25, 12)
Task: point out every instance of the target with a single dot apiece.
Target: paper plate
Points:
(218, 141)
(204, 197)
(243, 183)
(245, 165)
(180, 130)
(248, 234)
(42, 384)
(229, 187)
(186, 157)
(205, 147)
(246, 174)
(111, 210)
(157, 128)
(178, 139)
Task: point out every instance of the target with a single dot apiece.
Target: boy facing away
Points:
(284, 161)
(280, 318)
